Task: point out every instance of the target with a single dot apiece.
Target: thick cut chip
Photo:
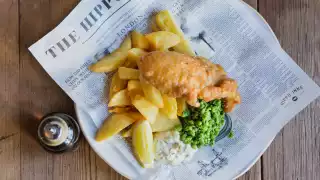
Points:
(130, 64)
(135, 54)
(152, 94)
(134, 84)
(121, 98)
(142, 141)
(146, 108)
(128, 73)
(127, 133)
(170, 107)
(135, 89)
(135, 93)
(153, 25)
(121, 109)
(113, 125)
(181, 105)
(165, 22)
(136, 115)
(162, 40)
(116, 85)
(126, 45)
(109, 62)
(114, 60)
(163, 123)
(139, 41)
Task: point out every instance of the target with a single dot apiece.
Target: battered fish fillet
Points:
(179, 75)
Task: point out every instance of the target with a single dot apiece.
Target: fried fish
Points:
(193, 78)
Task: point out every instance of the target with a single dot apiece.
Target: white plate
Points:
(114, 158)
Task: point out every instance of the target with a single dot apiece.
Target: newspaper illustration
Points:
(273, 88)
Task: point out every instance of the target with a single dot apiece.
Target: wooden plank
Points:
(252, 3)
(254, 173)
(295, 152)
(272, 160)
(9, 90)
(103, 170)
(39, 95)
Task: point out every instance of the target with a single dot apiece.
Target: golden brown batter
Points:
(179, 75)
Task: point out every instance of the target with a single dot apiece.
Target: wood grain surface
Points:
(295, 153)
(9, 91)
(27, 92)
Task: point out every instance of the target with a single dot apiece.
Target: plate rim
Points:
(94, 147)
(243, 171)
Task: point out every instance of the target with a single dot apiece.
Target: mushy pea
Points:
(200, 126)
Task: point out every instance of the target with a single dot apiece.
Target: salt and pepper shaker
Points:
(58, 133)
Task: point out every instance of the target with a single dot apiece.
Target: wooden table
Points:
(27, 91)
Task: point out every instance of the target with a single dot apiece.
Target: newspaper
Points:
(273, 88)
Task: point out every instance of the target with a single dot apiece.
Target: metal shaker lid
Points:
(58, 132)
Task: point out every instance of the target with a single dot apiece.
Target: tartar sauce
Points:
(170, 150)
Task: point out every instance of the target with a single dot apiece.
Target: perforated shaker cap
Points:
(58, 132)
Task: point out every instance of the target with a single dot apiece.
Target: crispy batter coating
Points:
(179, 75)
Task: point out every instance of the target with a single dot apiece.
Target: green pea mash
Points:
(201, 125)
